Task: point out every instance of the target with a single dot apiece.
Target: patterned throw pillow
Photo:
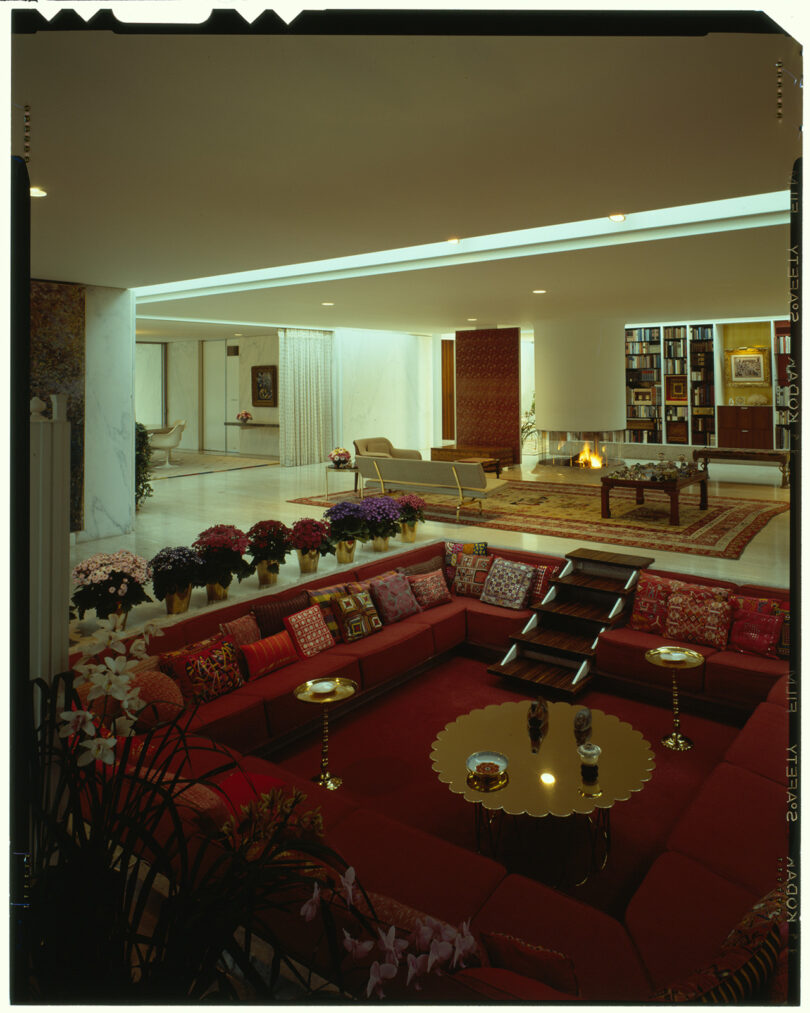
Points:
(755, 633)
(162, 698)
(355, 586)
(173, 663)
(244, 630)
(211, 673)
(428, 566)
(542, 579)
(323, 597)
(548, 966)
(650, 603)
(454, 550)
(771, 606)
(430, 589)
(309, 632)
(394, 598)
(698, 616)
(356, 616)
(266, 655)
(471, 574)
(508, 583)
(270, 615)
(746, 961)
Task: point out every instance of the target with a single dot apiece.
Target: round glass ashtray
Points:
(487, 771)
(322, 687)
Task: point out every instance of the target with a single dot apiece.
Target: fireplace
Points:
(586, 450)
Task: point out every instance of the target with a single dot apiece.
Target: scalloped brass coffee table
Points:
(549, 782)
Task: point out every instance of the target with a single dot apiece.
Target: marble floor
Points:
(178, 510)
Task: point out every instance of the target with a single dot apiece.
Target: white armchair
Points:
(167, 441)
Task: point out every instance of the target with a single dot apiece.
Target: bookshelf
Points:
(701, 385)
(676, 397)
(642, 351)
(784, 401)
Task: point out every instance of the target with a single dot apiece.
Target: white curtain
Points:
(305, 395)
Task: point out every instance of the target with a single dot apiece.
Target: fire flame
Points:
(589, 458)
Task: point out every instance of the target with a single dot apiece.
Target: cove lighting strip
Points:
(756, 211)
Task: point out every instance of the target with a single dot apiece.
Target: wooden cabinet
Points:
(747, 427)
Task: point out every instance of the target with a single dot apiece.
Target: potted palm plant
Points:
(268, 543)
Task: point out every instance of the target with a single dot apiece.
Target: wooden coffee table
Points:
(670, 486)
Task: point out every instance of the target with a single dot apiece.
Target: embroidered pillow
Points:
(650, 603)
(548, 966)
(355, 586)
(243, 630)
(471, 574)
(755, 633)
(773, 606)
(540, 584)
(508, 583)
(454, 550)
(356, 616)
(270, 614)
(161, 696)
(430, 589)
(698, 616)
(309, 632)
(393, 598)
(266, 655)
(173, 663)
(323, 597)
(428, 566)
(211, 673)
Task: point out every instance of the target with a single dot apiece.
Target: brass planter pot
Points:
(266, 577)
(379, 544)
(345, 550)
(308, 561)
(178, 601)
(216, 592)
(408, 533)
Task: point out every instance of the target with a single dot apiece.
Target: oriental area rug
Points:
(574, 512)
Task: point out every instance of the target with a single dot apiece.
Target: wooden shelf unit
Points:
(642, 360)
(785, 400)
(702, 397)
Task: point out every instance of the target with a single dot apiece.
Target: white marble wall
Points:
(526, 372)
(383, 387)
(109, 418)
(183, 390)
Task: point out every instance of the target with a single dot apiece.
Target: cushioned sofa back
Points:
(690, 578)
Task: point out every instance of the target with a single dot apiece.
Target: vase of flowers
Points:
(411, 511)
(111, 583)
(175, 571)
(311, 540)
(340, 457)
(268, 546)
(382, 520)
(347, 524)
(244, 417)
(221, 547)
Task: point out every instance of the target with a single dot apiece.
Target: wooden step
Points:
(593, 582)
(588, 611)
(611, 558)
(555, 680)
(564, 642)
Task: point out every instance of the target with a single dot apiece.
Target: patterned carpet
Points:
(189, 462)
(574, 511)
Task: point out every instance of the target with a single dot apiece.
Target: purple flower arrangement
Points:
(411, 508)
(347, 521)
(174, 568)
(107, 580)
(382, 516)
(221, 547)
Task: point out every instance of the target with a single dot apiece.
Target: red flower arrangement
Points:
(220, 548)
(310, 535)
(268, 541)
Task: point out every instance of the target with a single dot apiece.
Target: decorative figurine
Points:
(582, 725)
(537, 720)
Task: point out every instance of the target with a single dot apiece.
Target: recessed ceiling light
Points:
(37, 191)
(538, 291)
(472, 320)
(616, 218)
(327, 304)
(453, 239)
(238, 334)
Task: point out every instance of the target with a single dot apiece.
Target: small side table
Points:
(353, 468)
(675, 658)
(324, 692)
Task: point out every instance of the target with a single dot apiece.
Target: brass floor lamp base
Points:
(680, 743)
(328, 781)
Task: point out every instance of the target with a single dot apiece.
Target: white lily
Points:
(109, 684)
(76, 723)
(120, 665)
(97, 749)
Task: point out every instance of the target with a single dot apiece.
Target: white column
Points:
(49, 538)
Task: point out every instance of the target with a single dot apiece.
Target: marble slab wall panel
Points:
(183, 390)
(58, 366)
(384, 387)
(488, 388)
(109, 469)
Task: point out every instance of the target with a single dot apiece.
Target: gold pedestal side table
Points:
(675, 658)
(325, 692)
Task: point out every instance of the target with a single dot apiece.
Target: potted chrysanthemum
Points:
(221, 548)
(268, 543)
(311, 539)
(382, 520)
(111, 583)
(411, 511)
(175, 571)
(347, 524)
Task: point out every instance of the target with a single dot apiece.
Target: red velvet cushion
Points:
(161, 696)
(471, 574)
(650, 603)
(270, 614)
(309, 632)
(542, 579)
(241, 787)
(355, 616)
(364, 584)
(244, 630)
(500, 985)
(430, 589)
(755, 633)
(698, 616)
(762, 745)
(741, 678)
(549, 966)
(394, 598)
(211, 673)
(426, 566)
(268, 654)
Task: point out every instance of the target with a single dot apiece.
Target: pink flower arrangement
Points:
(411, 508)
(310, 535)
(340, 457)
(243, 416)
(108, 580)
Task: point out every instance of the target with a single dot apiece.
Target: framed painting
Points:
(642, 395)
(748, 367)
(676, 390)
(264, 386)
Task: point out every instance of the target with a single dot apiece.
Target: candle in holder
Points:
(589, 754)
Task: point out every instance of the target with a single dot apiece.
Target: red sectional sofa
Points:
(722, 857)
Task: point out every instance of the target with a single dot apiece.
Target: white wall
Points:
(109, 417)
(258, 350)
(183, 390)
(149, 384)
(526, 372)
(384, 383)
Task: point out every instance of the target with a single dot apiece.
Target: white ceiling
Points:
(168, 157)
